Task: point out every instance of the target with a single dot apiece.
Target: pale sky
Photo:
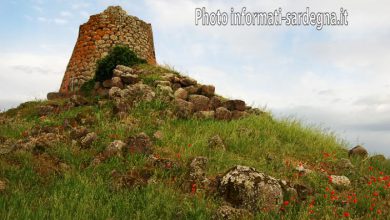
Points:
(337, 78)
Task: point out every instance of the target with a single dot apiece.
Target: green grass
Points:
(86, 192)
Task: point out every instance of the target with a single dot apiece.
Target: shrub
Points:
(119, 55)
(87, 88)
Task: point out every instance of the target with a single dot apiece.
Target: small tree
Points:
(119, 55)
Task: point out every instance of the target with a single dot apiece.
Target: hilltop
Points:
(153, 144)
(125, 138)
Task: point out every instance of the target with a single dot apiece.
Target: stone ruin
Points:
(101, 33)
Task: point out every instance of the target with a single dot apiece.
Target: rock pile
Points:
(190, 99)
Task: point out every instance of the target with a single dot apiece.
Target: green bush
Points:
(119, 55)
(87, 88)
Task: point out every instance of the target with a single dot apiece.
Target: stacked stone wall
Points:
(101, 33)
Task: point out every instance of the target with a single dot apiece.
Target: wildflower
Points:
(178, 155)
(311, 211)
(189, 145)
(286, 203)
(330, 179)
(375, 194)
(168, 165)
(193, 188)
(354, 201)
(347, 215)
(326, 155)
(379, 211)
(370, 168)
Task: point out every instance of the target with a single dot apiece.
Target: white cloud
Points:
(26, 76)
(60, 21)
(42, 19)
(65, 13)
(38, 8)
(80, 5)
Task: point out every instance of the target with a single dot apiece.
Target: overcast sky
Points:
(337, 78)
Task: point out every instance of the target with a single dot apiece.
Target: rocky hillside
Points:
(153, 144)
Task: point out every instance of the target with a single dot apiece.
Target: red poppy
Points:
(346, 214)
(193, 188)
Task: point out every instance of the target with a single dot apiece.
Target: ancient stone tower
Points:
(96, 37)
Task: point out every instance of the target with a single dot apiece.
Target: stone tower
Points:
(96, 37)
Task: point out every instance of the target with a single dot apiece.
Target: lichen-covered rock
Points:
(345, 163)
(40, 142)
(115, 92)
(358, 151)
(115, 148)
(78, 100)
(88, 139)
(140, 144)
(123, 70)
(207, 90)
(165, 90)
(192, 89)
(215, 102)
(223, 113)
(184, 109)
(130, 78)
(187, 81)
(7, 146)
(198, 169)
(140, 92)
(181, 93)
(236, 104)
(54, 95)
(163, 163)
(201, 102)
(78, 132)
(229, 213)
(244, 187)
(216, 142)
(340, 181)
(107, 83)
(116, 82)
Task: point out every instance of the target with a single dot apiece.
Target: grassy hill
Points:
(48, 172)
